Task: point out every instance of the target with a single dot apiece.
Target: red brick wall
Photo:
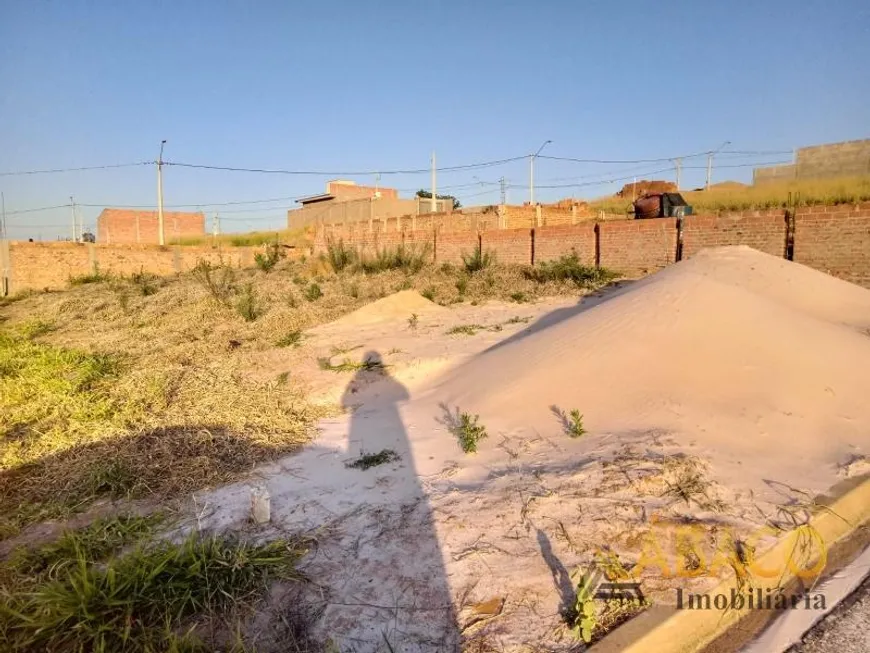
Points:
(509, 245)
(553, 242)
(450, 246)
(637, 247)
(832, 239)
(836, 240)
(764, 231)
(120, 226)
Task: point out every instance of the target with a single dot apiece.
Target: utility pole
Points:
(4, 250)
(710, 163)
(532, 172)
(72, 206)
(503, 191)
(433, 204)
(161, 239)
(3, 234)
(216, 226)
(678, 162)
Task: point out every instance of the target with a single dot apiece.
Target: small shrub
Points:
(299, 280)
(568, 268)
(462, 285)
(429, 293)
(94, 277)
(269, 259)
(575, 424)
(413, 321)
(409, 259)
(313, 292)
(339, 256)
(447, 268)
(248, 304)
(291, 300)
(291, 339)
(469, 432)
(478, 260)
(369, 460)
(145, 282)
(219, 280)
(519, 297)
(353, 290)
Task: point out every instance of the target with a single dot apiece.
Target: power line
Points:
(55, 170)
(41, 208)
(357, 173)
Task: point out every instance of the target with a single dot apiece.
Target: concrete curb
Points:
(842, 525)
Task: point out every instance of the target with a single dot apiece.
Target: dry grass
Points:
(291, 237)
(844, 190)
(109, 392)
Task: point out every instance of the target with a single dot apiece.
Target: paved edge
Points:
(843, 523)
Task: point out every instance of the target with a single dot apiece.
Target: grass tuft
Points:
(219, 280)
(93, 277)
(142, 600)
(465, 427)
(268, 259)
(248, 304)
(369, 460)
(568, 268)
(290, 339)
(478, 260)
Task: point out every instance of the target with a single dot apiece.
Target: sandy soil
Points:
(744, 372)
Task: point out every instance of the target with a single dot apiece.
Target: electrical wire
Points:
(358, 173)
(56, 170)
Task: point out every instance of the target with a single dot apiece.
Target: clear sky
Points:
(348, 86)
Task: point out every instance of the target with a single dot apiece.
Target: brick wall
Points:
(121, 226)
(553, 242)
(762, 230)
(833, 239)
(637, 247)
(50, 265)
(836, 240)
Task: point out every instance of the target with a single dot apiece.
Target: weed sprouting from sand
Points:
(372, 364)
(142, 600)
(478, 260)
(290, 339)
(471, 329)
(685, 481)
(516, 319)
(313, 292)
(519, 297)
(574, 427)
(369, 460)
(268, 259)
(248, 304)
(464, 329)
(429, 293)
(219, 280)
(465, 427)
(413, 321)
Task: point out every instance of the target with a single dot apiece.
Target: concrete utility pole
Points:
(678, 162)
(433, 204)
(501, 182)
(216, 226)
(532, 172)
(3, 217)
(710, 163)
(161, 239)
(72, 208)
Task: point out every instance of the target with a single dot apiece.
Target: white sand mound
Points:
(760, 362)
(398, 306)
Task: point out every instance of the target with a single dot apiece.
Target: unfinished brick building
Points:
(115, 226)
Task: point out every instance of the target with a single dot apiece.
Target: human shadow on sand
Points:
(403, 560)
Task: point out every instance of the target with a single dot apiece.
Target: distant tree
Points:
(427, 195)
(88, 237)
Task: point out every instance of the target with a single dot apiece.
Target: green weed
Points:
(313, 292)
(248, 304)
(269, 259)
(219, 280)
(145, 282)
(478, 260)
(290, 339)
(369, 460)
(568, 268)
(93, 277)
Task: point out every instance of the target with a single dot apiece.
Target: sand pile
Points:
(398, 306)
(761, 363)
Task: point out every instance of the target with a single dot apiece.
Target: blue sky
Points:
(378, 85)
